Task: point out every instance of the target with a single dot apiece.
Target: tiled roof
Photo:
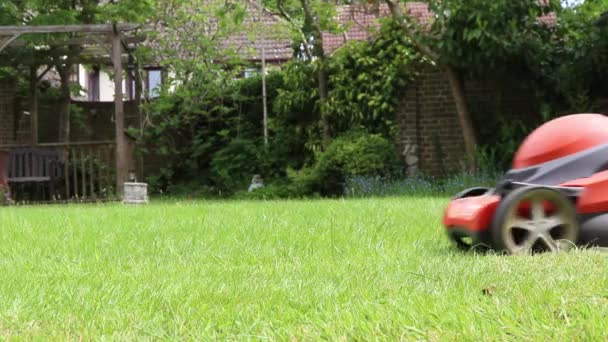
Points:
(276, 42)
(361, 21)
(259, 30)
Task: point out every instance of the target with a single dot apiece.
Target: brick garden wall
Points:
(430, 138)
(7, 112)
(92, 121)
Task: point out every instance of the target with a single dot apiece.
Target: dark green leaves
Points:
(365, 78)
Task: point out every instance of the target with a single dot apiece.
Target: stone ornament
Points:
(410, 152)
(135, 193)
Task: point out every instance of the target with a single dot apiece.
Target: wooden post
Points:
(92, 171)
(140, 118)
(119, 116)
(66, 171)
(265, 106)
(34, 109)
(74, 154)
(264, 96)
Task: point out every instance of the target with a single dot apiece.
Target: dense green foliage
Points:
(366, 78)
(352, 154)
(503, 40)
(574, 65)
(207, 123)
(355, 154)
(219, 131)
(189, 127)
(488, 36)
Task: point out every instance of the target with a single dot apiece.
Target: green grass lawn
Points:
(375, 269)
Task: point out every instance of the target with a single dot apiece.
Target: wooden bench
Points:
(31, 165)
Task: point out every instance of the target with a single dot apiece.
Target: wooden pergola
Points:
(104, 43)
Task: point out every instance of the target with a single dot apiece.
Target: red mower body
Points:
(568, 155)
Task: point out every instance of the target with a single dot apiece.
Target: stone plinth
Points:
(135, 193)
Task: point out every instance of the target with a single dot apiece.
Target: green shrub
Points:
(352, 154)
(358, 153)
(233, 166)
(305, 182)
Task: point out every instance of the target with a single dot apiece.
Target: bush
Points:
(359, 153)
(352, 154)
(233, 166)
(3, 199)
(305, 182)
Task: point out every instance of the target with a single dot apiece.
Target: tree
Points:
(309, 19)
(578, 58)
(191, 41)
(474, 35)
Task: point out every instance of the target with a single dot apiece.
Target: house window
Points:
(75, 76)
(154, 79)
(93, 84)
(130, 83)
(249, 72)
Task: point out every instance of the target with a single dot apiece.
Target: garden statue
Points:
(410, 152)
(256, 182)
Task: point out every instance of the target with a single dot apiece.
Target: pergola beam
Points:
(82, 41)
(116, 55)
(103, 28)
(40, 60)
(6, 42)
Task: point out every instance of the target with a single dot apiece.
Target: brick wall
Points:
(91, 121)
(430, 138)
(7, 111)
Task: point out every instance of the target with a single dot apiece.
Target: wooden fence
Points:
(86, 173)
(89, 171)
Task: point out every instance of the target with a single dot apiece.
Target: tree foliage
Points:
(208, 120)
(486, 36)
(572, 67)
(366, 78)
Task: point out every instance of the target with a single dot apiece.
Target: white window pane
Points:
(249, 72)
(154, 82)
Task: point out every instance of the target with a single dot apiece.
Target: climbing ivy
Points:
(365, 80)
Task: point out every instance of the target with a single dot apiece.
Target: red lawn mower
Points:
(555, 196)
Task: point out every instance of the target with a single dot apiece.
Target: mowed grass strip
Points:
(370, 269)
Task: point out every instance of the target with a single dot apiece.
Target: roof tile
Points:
(277, 45)
(360, 22)
(247, 43)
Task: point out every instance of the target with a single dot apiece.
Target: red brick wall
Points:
(7, 111)
(91, 121)
(430, 138)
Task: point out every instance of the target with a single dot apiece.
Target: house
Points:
(274, 47)
(430, 138)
